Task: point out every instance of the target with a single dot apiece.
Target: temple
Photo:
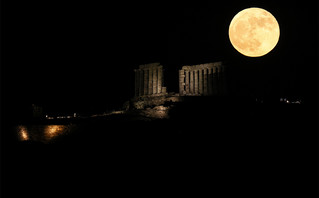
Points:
(202, 80)
(149, 80)
(194, 80)
(152, 99)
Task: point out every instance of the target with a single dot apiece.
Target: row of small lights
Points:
(75, 115)
(61, 117)
(285, 100)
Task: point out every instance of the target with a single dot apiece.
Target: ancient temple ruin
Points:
(194, 80)
(204, 79)
(151, 97)
(149, 80)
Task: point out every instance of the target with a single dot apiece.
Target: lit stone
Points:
(160, 80)
(187, 81)
(181, 82)
(145, 71)
(196, 81)
(149, 80)
(191, 84)
(201, 79)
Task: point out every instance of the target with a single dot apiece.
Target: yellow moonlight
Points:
(254, 32)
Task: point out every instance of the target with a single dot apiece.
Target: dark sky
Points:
(82, 54)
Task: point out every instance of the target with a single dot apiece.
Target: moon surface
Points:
(254, 32)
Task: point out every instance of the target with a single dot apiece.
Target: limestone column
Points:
(154, 80)
(159, 78)
(205, 82)
(196, 81)
(181, 82)
(162, 76)
(145, 81)
(140, 83)
(200, 81)
(215, 80)
(210, 81)
(191, 82)
(150, 81)
(187, 81)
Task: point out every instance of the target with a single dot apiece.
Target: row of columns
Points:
(149, 79)
(206, 79)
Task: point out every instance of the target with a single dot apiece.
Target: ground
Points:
(225, 148)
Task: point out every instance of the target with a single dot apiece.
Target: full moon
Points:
(254, 32)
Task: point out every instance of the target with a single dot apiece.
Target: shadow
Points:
(208, 142)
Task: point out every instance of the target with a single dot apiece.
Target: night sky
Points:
(81, 55)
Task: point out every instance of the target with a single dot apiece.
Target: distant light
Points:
(52, 131)
(117, 112)
(23, 133)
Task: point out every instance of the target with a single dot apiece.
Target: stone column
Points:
(205, 82)
(191, 82)
(140, 83)
(200, 81)
(155, 80)
(215, 80)
(159, 78)
(145, 81)
(187, 81)
(150, 81)
(210, 81)
(196, 81)
(181, 82)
